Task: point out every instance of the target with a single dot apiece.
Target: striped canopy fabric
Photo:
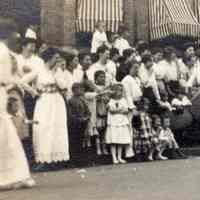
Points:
(169, 17)
(89, 12)
(195, 4)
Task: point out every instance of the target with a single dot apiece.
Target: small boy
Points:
(78, 117)
(21, 124)
(167, 139)
(19, 121)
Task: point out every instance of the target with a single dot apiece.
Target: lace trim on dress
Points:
(49, 158)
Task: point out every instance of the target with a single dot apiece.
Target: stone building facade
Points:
(58, 20)
(58, 17)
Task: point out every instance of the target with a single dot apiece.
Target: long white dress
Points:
(13, 163)
(50, 135)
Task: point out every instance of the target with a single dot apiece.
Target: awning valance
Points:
(89, 12)
(169, 17)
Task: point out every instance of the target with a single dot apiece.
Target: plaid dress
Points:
(143, 136)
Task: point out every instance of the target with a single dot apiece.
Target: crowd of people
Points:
(117, 100)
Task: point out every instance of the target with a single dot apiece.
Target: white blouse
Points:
(148, 79)
(121, 44)
(133, 91)
(98, 40)
(117, 119)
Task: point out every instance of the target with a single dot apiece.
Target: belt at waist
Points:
(49, 89)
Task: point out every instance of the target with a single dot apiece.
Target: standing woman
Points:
(50, 135)
(14, 171)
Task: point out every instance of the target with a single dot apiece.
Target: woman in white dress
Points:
(14, 170)
(50, 135)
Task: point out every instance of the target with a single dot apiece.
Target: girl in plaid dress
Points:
(144, 138)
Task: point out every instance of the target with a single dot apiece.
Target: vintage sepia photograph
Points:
(99, 99)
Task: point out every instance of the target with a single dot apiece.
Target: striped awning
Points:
(169, 17)
(195, 4)
(89, 12)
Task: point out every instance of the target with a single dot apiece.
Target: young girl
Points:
(143, 131)
(118, 133)
(156, 130)
(102, 100)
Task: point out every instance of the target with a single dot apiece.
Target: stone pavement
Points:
(167, 180)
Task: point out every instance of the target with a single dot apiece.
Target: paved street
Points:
(168, 180)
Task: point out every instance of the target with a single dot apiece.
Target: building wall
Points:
(57, 22)
(136, 18)
(58, 17)
(62, 30)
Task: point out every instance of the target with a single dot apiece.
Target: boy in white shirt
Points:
(31, 31)
(99, 37)
(121, 43)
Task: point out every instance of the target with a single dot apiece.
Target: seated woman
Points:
(174, 73)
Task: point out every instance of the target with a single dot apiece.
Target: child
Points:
(102, 100)
(118, 133)
(99, 37)
(121, 43)
(156, 130)
(19, 120)
(167, 137)
(79, 116)
(143, 131)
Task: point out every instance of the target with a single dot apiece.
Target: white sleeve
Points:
(176, 102)
(186, 102)
(90, 74)
(153, 83)
(60, 79)
(192, 79)
(128, 94)
(5, 66)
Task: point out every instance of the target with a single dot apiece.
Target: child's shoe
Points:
(115, 162)
(180, 154)
(99, 152)
(161, 157)
(150, 158)
(122, 161)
